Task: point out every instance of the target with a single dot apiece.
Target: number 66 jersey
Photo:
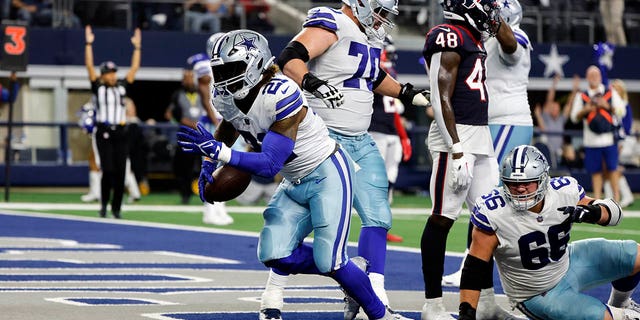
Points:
(532, 252)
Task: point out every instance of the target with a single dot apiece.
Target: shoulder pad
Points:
(192, 60)
(522, 38)
(322, 17)
(285, 94)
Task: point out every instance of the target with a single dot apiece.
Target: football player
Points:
(508, 64)
(336, 60)
(526, 226)
(464, 165)
(270, 112)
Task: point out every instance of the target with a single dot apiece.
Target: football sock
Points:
(622, 289)
(272, 296)
(372, 246)
(432, 246)
(355, 282)
(377, 282)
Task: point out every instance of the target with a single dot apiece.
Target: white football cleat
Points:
(433, 309)
(452, 280)
(488, 309)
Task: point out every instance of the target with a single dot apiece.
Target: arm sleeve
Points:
(276, 149)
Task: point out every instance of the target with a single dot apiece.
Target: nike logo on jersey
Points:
(320, 180)
(284, 90)
(445, 29)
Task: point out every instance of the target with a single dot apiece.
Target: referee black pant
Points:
(112, 143)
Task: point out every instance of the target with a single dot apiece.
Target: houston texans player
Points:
(508, 64)
(336, 60)
(464, 165)
(526, 225)
(270, 112)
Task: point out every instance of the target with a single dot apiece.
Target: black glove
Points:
(410, 96)
(582, 213)
(466, 312)
(330, 95)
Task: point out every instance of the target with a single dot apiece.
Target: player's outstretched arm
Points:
(89, 37)
(136, 41)
(605, 212)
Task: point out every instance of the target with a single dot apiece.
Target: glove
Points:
(460, 174)
(406, 149)
(206, 175)
(582, 213)
(410, 96)
(201, 140)
(321, 89)
(466, 312)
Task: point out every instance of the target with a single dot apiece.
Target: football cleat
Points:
(270, 314)
(394, 238)
(394, 315)
(452, 280)
(433, 309)
(488, 309)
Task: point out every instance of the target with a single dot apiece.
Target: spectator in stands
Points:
(612, 12)
(256, 15)
(206, 13)
(626, 147)
(551, 119)
(34, 12)
(595, 108)
(97, 13)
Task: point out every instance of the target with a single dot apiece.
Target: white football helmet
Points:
(525, 164)
(373, 15)
(511, 12)
(238, 60)
(211, 41)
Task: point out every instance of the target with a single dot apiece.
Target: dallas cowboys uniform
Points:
(317, 171)
(540, 271)
(469, 102)
(351, 65)
(510, 119)
(201, 68)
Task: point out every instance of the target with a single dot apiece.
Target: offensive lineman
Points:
(526, 225)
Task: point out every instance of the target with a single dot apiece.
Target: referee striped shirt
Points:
(109, 102)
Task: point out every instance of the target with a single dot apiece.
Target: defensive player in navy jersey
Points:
(270, 112)
(464, 166)
(336, 60)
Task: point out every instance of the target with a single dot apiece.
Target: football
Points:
(228, 183)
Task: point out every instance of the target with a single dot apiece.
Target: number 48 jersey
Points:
(470, 99)
(532, 252)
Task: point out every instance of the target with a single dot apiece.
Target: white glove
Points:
(330, 95)
(460, 174)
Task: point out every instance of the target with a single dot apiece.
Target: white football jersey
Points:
(351, 65)
(280, 99)
(532, 252)
(507, 80)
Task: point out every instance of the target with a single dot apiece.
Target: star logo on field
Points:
(248, 43)
(553, 62)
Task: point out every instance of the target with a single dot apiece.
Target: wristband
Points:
(456, 147)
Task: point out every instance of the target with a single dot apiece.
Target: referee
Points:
(111, 133)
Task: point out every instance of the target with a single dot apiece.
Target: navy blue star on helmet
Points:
(505, 4)
(247, 43)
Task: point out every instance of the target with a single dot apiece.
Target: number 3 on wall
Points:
(16, 44)
(15, 47)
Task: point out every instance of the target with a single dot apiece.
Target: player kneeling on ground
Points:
(525, 225)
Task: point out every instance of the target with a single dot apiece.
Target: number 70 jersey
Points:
(351, 65)
(532, 254)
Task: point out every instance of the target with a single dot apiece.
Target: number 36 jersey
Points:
(532, 252)
(351, 65)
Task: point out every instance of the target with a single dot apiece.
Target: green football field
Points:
(409, 226)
